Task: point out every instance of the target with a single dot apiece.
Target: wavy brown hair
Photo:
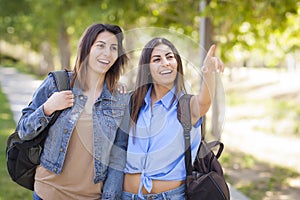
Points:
(81, 65)
(144, 78)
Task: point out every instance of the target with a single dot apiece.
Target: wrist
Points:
(209, 75)
(47, 111)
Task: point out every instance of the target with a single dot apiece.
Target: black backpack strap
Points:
(205, 149)
(61, 79)
(203, 127)
(184, 116)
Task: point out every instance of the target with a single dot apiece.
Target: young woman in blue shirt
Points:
(155, 167)
(84, 152)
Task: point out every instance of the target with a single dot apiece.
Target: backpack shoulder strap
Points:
(184, 112)
(184, 116)
(61, 79)
(203, 127)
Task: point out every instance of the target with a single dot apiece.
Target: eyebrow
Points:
(165, 54)
(101, 41)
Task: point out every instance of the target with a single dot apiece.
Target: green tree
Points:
(238, 25)
(255, 24)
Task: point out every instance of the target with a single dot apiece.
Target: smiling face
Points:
(163, 65)
(104, 52)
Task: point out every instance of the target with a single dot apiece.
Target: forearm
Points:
(32, 123)
(207, 90)
(113, 185)
(201, 102)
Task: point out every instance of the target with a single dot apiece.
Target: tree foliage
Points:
(239, 26)
(256, 25)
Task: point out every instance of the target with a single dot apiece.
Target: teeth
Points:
(166, 72)
(104, 61)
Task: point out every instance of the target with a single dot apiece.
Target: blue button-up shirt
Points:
(157, 148)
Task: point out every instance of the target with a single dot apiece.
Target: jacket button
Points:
(44, 119)
(61, 149)
(55, 169)
(65, 130)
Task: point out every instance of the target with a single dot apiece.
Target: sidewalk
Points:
(19, 89)
(244, 124)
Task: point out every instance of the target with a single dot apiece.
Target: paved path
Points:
(19, 89)
(244, 124)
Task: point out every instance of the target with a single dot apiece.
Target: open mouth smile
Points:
(166, 72)
(105, 62)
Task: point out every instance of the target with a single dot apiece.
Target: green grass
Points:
(8, 189)
(277, 178)
(279, 111)
(257, 190)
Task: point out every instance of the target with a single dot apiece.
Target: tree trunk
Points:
(217, 103)
(206, 32)
(64, 47)
(206, 40)
(47, 63)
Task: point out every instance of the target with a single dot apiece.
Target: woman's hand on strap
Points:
(58, 101)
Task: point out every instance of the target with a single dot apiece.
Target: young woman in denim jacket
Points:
(85, 151)
(155, 167)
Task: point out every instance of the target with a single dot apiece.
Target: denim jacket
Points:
(110, 133)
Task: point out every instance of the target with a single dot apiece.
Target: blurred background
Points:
(256, 112)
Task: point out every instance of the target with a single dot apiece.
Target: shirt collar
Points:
(166, 100)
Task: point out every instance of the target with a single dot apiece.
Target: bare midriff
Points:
(132, 183)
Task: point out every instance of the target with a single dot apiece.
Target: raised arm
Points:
(201, 102)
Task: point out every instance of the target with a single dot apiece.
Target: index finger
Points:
(211, 50)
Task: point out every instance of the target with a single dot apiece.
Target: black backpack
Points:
(22, 157)
(205, 178)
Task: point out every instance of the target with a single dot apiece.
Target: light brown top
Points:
(76, 179)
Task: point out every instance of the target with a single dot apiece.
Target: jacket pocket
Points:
(113, 117)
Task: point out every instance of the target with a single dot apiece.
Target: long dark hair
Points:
(144, 78)
(87, 40)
